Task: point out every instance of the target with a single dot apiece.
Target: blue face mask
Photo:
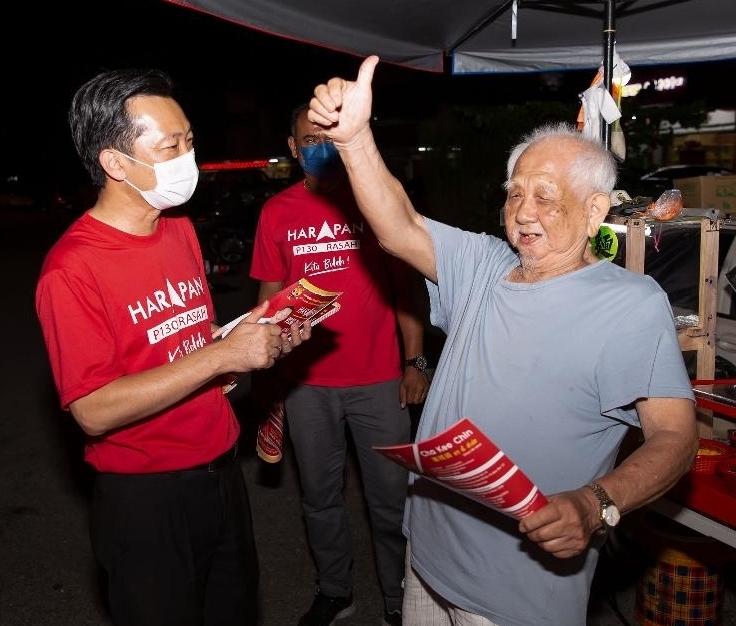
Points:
(320, 159)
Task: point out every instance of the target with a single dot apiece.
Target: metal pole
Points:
(609, 39)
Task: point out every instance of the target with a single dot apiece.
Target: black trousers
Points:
(177, 547)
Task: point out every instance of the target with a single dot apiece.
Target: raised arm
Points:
(343, 109)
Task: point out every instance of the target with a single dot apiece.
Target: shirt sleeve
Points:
(642, 359)
(77, 331)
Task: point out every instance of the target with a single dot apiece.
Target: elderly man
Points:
(553, 353)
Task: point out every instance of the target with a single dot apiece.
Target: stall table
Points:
(704, 502)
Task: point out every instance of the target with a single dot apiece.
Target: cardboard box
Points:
(708, 192)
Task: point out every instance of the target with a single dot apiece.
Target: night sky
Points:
(224, 72)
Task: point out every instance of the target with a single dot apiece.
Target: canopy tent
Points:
(494, 36)
(484, 36)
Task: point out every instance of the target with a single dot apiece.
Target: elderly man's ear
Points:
(598, 207)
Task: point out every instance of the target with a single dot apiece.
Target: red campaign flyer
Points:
(465, 460)
(306, 301)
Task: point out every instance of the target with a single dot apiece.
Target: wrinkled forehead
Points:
(538, 160)
(548, 159)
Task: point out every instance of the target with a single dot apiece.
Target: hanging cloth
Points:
(596, 102)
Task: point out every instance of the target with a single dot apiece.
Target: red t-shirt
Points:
(112, 304)
(326, 239)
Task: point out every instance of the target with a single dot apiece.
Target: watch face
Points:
(419, 362)
(611, 516)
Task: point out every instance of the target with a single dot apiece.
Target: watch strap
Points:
(604, 501)
(419, 362)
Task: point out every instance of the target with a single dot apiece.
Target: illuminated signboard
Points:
(668, 83)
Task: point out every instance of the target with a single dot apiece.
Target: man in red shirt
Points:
(351, 372)
(128, 322)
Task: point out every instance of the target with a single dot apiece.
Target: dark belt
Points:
(222, 461)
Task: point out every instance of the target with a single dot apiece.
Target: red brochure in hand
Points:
(306, 301)
(465, 460)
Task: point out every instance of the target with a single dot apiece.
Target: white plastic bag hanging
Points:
(597, 102)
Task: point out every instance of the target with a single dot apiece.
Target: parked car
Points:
(653, 184)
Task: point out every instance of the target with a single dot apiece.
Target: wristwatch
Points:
(609, 514)
(419, 362)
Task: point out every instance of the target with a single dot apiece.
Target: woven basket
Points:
(727, 471)
(710, 454)
(683, 582)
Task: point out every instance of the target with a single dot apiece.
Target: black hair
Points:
(99, 118)
(295, 117)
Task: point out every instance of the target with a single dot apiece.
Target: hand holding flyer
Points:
(465, 460)
(306, 301)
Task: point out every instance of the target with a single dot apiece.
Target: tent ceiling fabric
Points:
(647, 32)
(476, 35)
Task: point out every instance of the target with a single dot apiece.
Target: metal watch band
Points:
(609, 514)
(601, 494)
(419, 362)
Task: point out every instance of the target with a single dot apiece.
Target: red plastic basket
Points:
(727, 471)
(710, 454)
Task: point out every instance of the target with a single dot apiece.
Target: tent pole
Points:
(609, 39)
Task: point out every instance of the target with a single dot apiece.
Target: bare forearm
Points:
(248, 346)
(651, 470)
(412, 306)
(343, 108)
(134, 397)
(385, 204)
(379, 194)
(412, 333)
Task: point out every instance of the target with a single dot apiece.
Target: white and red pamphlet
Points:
(464, 459)
(306, 301)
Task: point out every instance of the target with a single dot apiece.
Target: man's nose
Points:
(526, 211)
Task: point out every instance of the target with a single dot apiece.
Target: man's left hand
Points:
(414, 387)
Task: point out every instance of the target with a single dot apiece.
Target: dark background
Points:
(237, 85)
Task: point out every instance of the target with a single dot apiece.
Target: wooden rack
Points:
(701, 338)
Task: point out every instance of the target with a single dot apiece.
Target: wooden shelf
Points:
(700, 339)
(703, 503)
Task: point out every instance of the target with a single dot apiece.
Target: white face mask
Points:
(176, 180)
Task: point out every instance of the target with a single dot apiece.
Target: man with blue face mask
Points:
(128, 322)
(319, 158)
(356, 370)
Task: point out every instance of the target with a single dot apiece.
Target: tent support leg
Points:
(609, 40)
